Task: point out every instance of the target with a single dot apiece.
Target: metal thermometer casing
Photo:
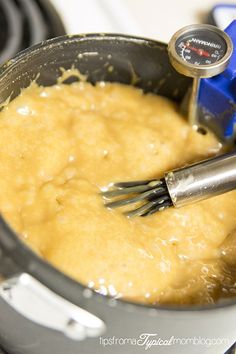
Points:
(201, 70)
(199, 51)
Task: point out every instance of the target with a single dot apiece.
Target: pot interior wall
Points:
(140, 62)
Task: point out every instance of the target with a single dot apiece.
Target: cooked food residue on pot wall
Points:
(60, 145)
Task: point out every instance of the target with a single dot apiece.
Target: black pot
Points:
(42, 311)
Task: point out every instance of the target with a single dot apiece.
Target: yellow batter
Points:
(59, 145)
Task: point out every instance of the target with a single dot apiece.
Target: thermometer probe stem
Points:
(193, 103)
(199, 51)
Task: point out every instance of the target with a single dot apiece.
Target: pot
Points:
(42, 311)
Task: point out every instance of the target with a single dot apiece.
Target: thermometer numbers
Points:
(201, 48)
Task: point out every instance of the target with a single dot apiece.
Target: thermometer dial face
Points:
(201, 47)
(200, 50)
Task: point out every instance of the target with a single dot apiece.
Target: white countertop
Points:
(157, 19)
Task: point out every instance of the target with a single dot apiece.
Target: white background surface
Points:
(157, 19)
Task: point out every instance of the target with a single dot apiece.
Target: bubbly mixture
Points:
(60, 145)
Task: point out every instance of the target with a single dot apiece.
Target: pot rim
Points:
(28, 261)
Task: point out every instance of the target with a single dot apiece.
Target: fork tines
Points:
(149, 195)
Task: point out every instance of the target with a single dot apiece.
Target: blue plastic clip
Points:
(217, 97)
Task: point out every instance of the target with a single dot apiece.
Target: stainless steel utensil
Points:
(177, 188)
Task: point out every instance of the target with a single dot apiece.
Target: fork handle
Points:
(202, 180)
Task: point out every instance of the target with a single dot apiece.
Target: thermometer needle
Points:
(199, 51)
